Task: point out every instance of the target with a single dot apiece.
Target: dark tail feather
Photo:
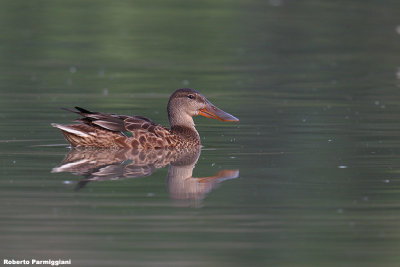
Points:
(84, 110)
(78, 110)
(70, 110)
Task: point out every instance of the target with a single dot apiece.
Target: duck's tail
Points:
(70, 129)
(82, 135)
(75, 134)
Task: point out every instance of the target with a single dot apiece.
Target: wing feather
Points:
(142, 132)
(112, 122)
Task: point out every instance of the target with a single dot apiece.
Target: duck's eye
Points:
(191, 96)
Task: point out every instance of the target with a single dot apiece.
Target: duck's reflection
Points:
(106, 164)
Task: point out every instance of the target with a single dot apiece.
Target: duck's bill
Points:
(211, 111)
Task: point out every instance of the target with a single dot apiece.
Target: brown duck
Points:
(121, 131)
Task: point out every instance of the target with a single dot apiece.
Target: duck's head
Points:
(185, 103)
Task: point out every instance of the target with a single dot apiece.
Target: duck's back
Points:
(120, 131)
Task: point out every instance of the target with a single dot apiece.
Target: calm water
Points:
(310, 176)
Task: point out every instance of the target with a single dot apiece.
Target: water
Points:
(315, 85)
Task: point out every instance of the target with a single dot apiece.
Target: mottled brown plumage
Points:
(120, 131)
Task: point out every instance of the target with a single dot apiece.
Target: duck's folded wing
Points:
(112, 122)
(140, 125)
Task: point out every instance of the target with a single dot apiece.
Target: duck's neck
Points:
(179, 117)
(186, 133)
(182, 124)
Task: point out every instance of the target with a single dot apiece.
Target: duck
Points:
(107, 130)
